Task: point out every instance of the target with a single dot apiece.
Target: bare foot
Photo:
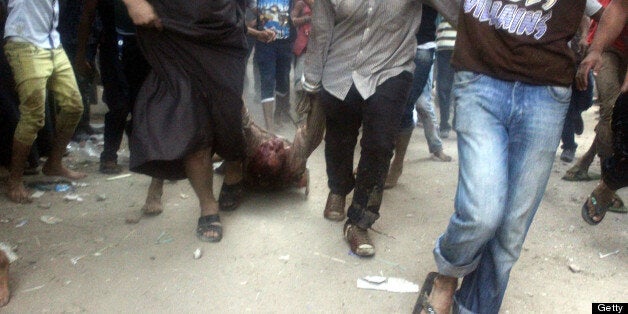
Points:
(441, 156)
(442, 295)
(17, 193)
(63, 172)
(152, 206)
(4, 279)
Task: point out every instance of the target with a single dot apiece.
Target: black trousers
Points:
(615, 168)
(127, 73)
(379, 117)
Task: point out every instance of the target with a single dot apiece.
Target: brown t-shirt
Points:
(523, 40)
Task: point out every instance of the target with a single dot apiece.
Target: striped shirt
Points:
(364, 42)
(445, 36)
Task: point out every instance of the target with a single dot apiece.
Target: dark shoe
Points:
(230, 196)
(209, 223)
(359, 240)
(335, 207)
(444, 134)
(568, 155)
(110, 167)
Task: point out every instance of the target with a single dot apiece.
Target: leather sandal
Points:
(335, 207)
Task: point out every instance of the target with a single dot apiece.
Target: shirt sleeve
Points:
(592, 7)
(319, 43)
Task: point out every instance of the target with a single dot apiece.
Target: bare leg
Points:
(4, 279)
(396, 166)
(233, 172)
(442, 295)
(153, 205)
(199, 171)
(15, 187)
(580, 170)
(54, 165)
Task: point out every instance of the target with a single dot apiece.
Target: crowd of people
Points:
(178, 69)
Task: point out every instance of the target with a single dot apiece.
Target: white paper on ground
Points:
(390, 284)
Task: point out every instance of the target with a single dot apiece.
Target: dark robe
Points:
(192, 98)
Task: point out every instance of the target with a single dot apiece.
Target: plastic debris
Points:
(48, 185)
(22, 223)
(33, 288)
(390, 284)
(45, 205)
(198, 253)
(80, 184)
(74, 260)
(163, 238)
(284, 258)
(184, 196)
(602, 255)
(5, 220)
(574, 268)
(38, 194)
(122, 176)
(62, 187)
(101, 197)
(51, 220)
(330, 257)
(73, 197)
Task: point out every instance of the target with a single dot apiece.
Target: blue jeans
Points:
(274, 60)
(425, 111)
(508, 133)
(444, 79)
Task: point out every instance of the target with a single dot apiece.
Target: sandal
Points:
(600, 211)
(230, 196)
(618, 206)
(577, 174)
(209, 223)
(422, 303)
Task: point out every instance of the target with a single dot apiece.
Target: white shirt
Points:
(34, 21)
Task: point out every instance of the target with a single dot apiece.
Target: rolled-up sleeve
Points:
(319, 42)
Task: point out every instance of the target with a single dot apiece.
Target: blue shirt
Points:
(34, 21)
(275, 15)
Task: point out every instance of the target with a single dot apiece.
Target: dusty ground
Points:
(279, 254)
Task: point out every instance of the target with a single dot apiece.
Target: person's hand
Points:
(143, 14)
(84, 68)
(266, 36)
(592, 61)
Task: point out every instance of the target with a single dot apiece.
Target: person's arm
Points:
(297, 18)
(449, 9)
(142, 13)
(585, 23)
(81, 64)
(611, 25)
(318, 45)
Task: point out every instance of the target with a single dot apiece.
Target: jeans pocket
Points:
(464, 78)
(560, 93)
